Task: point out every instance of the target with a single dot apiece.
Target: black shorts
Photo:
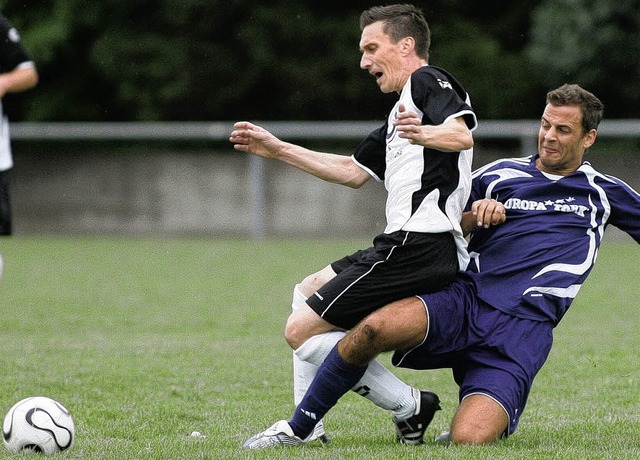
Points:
(5, 204)
(399, 265)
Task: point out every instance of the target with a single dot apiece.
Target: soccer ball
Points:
(38, 424)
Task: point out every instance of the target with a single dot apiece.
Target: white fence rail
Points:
(490, 129)
(522, 131)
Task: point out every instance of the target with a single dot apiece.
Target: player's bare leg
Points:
(400, 325)
(478, 420)
(303, 322)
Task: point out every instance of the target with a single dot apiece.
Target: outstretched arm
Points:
(484, 213)
(451, 136)
(18, 79)
(339, 169)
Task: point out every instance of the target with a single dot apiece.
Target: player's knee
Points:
(369, 334)
(370, 331)
(360, 346)
(473, 436)
(295, 332)
(479, 420)
(302, 325)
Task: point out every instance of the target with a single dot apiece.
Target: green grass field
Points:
(147, 340)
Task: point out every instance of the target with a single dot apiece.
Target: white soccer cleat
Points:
(279, 434)
(318, 433)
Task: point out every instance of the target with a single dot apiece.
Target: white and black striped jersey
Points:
(427, 189)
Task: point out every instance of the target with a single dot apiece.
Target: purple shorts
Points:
(490, 352)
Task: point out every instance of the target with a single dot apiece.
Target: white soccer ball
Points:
(38, 424)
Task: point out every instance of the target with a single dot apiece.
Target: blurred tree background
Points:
(181, 60)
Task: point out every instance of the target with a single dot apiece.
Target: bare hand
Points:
(488, 212)
(251, 138)
(409, 125)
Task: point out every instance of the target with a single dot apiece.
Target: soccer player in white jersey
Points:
(530, 254)
(422, 153)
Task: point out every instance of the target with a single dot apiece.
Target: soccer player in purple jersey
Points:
(423, 155)
(531, 251)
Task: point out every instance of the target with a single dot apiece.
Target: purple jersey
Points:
(534, 264)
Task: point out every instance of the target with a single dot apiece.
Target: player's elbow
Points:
(464, 138)
(354, 184)
(458, 136)
(467, 141)
(28, 78)
(356, 178)
(35, 78)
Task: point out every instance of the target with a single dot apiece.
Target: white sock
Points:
(378, 384)
(303, 374)
(303, 371)
(316, 348)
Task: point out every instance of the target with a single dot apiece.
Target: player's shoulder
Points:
(606, 180)
(437, 77)
(433, 72)
(429, 76)
(429, 81)
(514, 163)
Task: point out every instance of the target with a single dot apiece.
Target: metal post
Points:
(258, 197)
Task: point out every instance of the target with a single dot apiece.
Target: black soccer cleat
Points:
(411, 431)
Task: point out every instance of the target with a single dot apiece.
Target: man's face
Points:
(561, 140)
(382, 58)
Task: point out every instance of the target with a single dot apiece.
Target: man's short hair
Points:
(401, 21)
(571, 94)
